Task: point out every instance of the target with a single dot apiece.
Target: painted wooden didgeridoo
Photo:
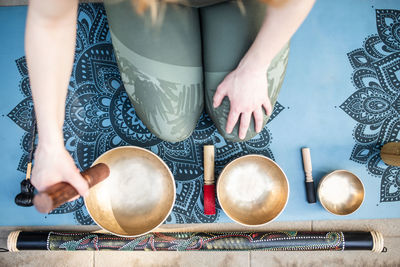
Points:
(209, 184)
(191, 241)
(310, 188)
(60, 193)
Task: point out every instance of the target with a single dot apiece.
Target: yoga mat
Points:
(198, 241)
(340, 97)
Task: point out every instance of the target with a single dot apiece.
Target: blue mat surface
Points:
(340, 98)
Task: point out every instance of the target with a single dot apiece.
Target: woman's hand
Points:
(247, 91)
(53, 164)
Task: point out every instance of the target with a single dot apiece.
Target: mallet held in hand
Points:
(59, 193)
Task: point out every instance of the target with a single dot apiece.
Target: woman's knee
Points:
(169, 110)
(172, 126)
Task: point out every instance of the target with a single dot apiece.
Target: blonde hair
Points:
(157, 7)
(154, 6)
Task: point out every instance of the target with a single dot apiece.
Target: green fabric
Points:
(160, 66)
(200, 3)
(227, 33)
(178, 33)
(163, 66)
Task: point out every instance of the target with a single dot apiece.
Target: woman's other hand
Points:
(247, 91)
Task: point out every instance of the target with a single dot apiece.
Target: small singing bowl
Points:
(341, 192)
(138, 195)
(252, 190)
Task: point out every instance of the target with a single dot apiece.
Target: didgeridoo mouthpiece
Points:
(59, 193)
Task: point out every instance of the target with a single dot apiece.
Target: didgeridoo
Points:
(209, 241)
(60, 193)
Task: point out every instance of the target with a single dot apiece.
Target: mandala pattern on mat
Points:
(99, 117)
(375, 104)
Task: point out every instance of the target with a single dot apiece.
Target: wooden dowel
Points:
(28, 171)
(307, 163)
(209, 164)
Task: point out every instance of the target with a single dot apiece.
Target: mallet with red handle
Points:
(209, 184)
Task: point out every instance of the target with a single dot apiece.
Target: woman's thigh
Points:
(160, 65)
(227, 35)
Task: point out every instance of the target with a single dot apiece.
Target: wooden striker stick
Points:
(60, 193)
(209, 165)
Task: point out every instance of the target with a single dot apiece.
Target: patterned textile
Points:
(375, 105)
(99, 117)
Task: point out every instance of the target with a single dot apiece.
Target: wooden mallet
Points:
(59, 193)
(25, 198)
(310, 188)
(209, 184)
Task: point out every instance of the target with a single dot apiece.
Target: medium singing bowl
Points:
(341, 192)
(137, 196)
(252, 190)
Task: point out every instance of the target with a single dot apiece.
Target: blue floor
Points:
(340, 97)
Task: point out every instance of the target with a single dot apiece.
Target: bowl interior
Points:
(252, 190)
(341, 192)
(137, 196)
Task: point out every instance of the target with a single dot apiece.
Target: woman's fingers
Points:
(77, 181)
(74, 198)
(219, 96)
(232, 119)
(36, 182)
(267, 106)
(258, 119)
(245, 118)
(244, 124)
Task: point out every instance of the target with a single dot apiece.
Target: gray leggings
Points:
(170, 70)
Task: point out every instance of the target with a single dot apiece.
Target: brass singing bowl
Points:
(252, 190)
(341, 192)
(138, 195)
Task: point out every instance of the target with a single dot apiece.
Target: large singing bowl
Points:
(137, 196)
(252, 190)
